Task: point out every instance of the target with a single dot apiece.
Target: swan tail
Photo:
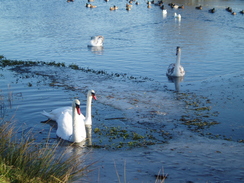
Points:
(47, 114)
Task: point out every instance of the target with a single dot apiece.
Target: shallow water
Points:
(140, 43)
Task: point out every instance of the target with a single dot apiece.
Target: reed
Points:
(24, 160)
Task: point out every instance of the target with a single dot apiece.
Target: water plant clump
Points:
(119, 137)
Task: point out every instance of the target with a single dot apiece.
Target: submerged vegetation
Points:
(4, 62)
(121, 137)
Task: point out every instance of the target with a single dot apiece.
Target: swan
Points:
(176, 70)
(70, 122)
(55, 114)
(177, 16)
(96, 41)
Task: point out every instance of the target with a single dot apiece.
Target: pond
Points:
(141, 124)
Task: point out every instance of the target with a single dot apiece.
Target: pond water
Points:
(139, 44)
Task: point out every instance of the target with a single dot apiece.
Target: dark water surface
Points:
(139, 43)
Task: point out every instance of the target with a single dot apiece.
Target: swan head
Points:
(178, 50)
(92, 94)
(76, 105)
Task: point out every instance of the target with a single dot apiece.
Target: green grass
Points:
(23, 160)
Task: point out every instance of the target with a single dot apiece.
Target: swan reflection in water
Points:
(98, 50)
(176, 81)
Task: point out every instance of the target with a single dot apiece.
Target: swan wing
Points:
(55, 114)
(65, 129)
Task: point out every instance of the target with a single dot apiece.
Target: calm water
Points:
(142, 43)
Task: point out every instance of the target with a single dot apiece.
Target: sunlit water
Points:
(140, 43)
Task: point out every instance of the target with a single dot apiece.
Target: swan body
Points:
(70, 122)
(175, 69)
(96, 41)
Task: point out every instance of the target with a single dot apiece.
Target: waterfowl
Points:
(137, 3)
(233, 13)
(164, 10)
(71, 126)
(178, 16)
(113, 8)
(212, 10)
(181, 7)
(149, 6)
(229, 9)
(199, 7)
(128, 5)
(175, 69)
(55, 114)
(96, 41)
(93, 6)
(88, 5)
(242, 12)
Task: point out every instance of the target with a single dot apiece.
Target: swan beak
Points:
(78, 109)
(94, 96)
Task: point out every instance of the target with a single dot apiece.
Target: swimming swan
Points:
(70, 122)
(176, 70)
(54, 114)
(177, 16)
(96, 41)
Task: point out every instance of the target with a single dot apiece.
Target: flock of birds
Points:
(159, 3)
(71, 123)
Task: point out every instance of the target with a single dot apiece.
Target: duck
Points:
(178, 16)
(96, 41)
(229, 9)
(212, 10)
(233, 13)
(199, 7)
(128, 5)
(92, 6)
(181, 7)
(175, 69)
(113, 8)
(88, 5)
(71, 125)
(55, 114)
(242, 12)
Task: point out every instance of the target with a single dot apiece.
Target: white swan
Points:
(70, 122)
(176, 70)
(54, 114)
(96, 41)
(177, 16)
(58, 114)
(164, 12)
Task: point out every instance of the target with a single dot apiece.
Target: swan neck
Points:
(88, 110)
(74, 124)
(178, 59)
